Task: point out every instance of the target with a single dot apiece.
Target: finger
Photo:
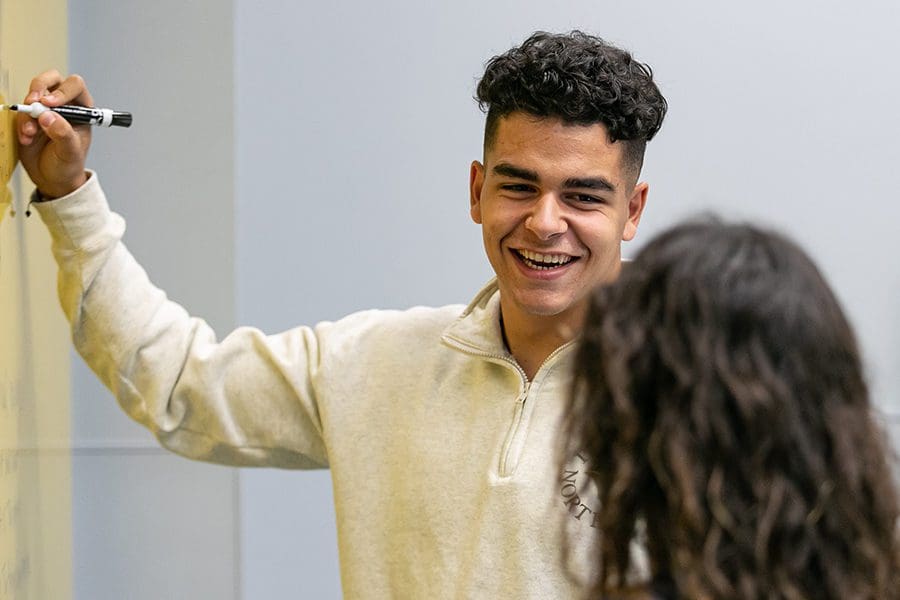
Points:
(60, 131)
(27, 128)
(42, 85)
(72, 90)
(31, 150)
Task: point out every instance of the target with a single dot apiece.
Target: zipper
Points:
(509, 459)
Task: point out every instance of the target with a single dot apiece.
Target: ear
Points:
(476, 181)
(636, 204)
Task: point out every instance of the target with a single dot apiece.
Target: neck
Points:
(532, 338)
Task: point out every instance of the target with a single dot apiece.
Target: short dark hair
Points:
(580, 79)
(720, 399)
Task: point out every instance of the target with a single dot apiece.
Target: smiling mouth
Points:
(543, 262)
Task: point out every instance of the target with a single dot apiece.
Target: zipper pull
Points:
(524, 394)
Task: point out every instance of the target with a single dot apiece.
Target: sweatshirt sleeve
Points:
(248, 400)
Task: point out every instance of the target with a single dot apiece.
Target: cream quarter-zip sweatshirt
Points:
(443, 456)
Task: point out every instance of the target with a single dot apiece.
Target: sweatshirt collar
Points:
(477, 329)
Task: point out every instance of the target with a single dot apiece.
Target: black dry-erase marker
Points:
(85, 115)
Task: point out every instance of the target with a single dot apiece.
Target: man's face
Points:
(554, 202)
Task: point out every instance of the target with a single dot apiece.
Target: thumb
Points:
(60, 131)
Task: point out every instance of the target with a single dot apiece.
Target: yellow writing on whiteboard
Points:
(7, 154)
(7, 144)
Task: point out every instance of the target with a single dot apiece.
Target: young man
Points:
(439, 425)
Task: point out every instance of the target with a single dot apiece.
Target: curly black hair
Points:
(719, 397)
(580, 79)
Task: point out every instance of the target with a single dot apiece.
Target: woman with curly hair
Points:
(720, 401)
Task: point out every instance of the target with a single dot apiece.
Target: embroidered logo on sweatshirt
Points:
(579, 492)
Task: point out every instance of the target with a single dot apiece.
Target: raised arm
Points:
(247, 400)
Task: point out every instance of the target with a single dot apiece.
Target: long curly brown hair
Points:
(719, 397)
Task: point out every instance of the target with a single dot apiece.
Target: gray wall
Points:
(349, 147)
(352, 193)
(147, 524)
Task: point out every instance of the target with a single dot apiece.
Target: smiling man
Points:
(568, 120)
(439, 424)
(554, 200)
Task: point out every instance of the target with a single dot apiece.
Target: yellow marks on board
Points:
(7, 146)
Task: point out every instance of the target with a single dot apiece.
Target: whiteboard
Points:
(35, 480)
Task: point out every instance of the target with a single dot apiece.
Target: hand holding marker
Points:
(76, 115)
(104, 117)
(52, 150)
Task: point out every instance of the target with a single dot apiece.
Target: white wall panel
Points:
(149, 524)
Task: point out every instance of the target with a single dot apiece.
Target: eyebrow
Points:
(589, 183)
(508, 170)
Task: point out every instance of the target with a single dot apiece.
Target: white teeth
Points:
(543, 262)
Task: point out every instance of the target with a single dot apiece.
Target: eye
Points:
(587, 199)
(516, 188)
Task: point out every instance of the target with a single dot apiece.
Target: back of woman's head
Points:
(720, 399)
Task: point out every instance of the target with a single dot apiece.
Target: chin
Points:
(545, 308)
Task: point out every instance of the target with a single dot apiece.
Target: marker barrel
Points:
(82, 115)
(102, 117)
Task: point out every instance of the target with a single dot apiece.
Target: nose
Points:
(546, 219)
